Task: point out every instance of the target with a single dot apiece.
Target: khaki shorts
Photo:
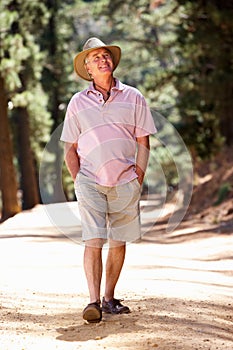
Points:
(108, 212)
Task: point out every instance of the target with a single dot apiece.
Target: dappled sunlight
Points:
(168, 283)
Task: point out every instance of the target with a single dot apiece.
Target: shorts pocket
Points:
(137, 182)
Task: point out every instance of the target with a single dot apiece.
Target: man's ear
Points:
(89, 71)
(87, 68)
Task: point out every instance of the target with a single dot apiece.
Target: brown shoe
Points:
(114, 306)
(92, 313)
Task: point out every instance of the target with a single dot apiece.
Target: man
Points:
(106, 134)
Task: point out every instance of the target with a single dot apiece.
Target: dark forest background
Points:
(177, 53)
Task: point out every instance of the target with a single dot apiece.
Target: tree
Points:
(8, 182)
(20, 71)
(26, 159)
(179, 53)
(204, 73)
(9, 44)
(60, 40)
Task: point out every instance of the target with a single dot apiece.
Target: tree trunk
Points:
(29, 183)
(225, 112)
(10, 205)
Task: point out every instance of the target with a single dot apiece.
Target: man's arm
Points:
(72, 159)
(142, 158)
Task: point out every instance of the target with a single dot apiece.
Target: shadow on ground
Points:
(157, 319)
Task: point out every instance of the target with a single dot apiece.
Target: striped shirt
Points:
(106, 132)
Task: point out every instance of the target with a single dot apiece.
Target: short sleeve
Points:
(143, 118)
(71, 129)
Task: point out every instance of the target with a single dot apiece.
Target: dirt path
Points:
(179, 287)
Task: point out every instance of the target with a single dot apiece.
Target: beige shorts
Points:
(108, 212)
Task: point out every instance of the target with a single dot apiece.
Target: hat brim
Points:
(79, 60)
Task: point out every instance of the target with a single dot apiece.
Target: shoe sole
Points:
(92, 315)
(107, 311)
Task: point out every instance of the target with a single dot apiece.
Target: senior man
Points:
(106, 133)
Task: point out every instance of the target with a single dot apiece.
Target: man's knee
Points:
(95, 243)
(114, 243)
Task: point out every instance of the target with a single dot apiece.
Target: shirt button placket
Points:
(99, 97)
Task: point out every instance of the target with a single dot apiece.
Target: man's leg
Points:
(93, 267)
(114, 264)
(93, 270)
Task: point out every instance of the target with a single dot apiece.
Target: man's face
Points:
(99, 63)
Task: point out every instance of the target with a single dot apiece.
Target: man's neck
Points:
(105, 84)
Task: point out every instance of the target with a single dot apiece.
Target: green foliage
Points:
(20, 20)
(21, 63)
(59, 40)
(204, 74)
(178, 53)
(223, 192)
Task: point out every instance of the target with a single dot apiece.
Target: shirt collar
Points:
(119, 86)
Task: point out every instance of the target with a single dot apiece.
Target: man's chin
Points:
(105, 70)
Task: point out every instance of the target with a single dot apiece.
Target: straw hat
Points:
(90, 45)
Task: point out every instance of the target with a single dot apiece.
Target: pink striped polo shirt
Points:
(106, 132)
